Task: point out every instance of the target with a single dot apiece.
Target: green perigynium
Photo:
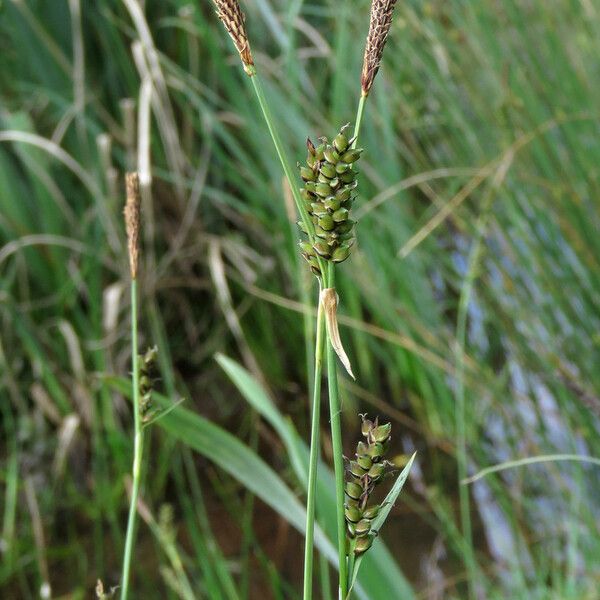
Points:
(329, 182)
(364, 473)
(148, 377)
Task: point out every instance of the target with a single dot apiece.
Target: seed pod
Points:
(354, 490)
(363, 527)
(340, 254)
(307, 174)
(376, 471)
(351, 155)
(376, 451)
(363, 544)
(331, 156)
(332, 203)
(361, 449)
(318, 209)
(326, 222)
(328, 170)
(366, 427)
(371, 512)
(340, 142)
(341, 167)
(353, 514)
(322, 249)
(348, 177)
(340, 215)
(356, 469)
(323, 190)
(382, 433)
(365, 462)
(343, 194)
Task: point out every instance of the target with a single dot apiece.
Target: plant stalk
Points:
(138, 445)
(358, 119)
(314, 456)
(290, 174)
(338, 451)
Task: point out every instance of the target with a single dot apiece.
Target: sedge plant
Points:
(323, 204)
(132, 225)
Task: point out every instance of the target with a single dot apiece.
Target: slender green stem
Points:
(338, 451)
(290, 174)
(314, 456)
(138, 445)
(358, 119)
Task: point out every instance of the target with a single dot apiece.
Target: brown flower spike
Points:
(132, 220)
(379, 27)
(231, 15)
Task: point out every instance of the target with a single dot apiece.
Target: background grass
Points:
(478, 197)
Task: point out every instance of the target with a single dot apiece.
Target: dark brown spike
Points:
(233, 19)
(132, 220)
(379, 27)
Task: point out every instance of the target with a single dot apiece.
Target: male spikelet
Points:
(329, 181)
(132, 220)
(364, 473)
(232, 17)
(379, 27)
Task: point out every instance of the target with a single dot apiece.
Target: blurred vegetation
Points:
(475, 282)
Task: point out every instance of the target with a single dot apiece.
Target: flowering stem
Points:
(338, 451)
(358, 119)
(138, 445)
(314, 456)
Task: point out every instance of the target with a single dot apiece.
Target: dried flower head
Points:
(231, 15)
(379, 27)
(132, 220)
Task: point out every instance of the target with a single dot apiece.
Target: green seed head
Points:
(327, 197)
